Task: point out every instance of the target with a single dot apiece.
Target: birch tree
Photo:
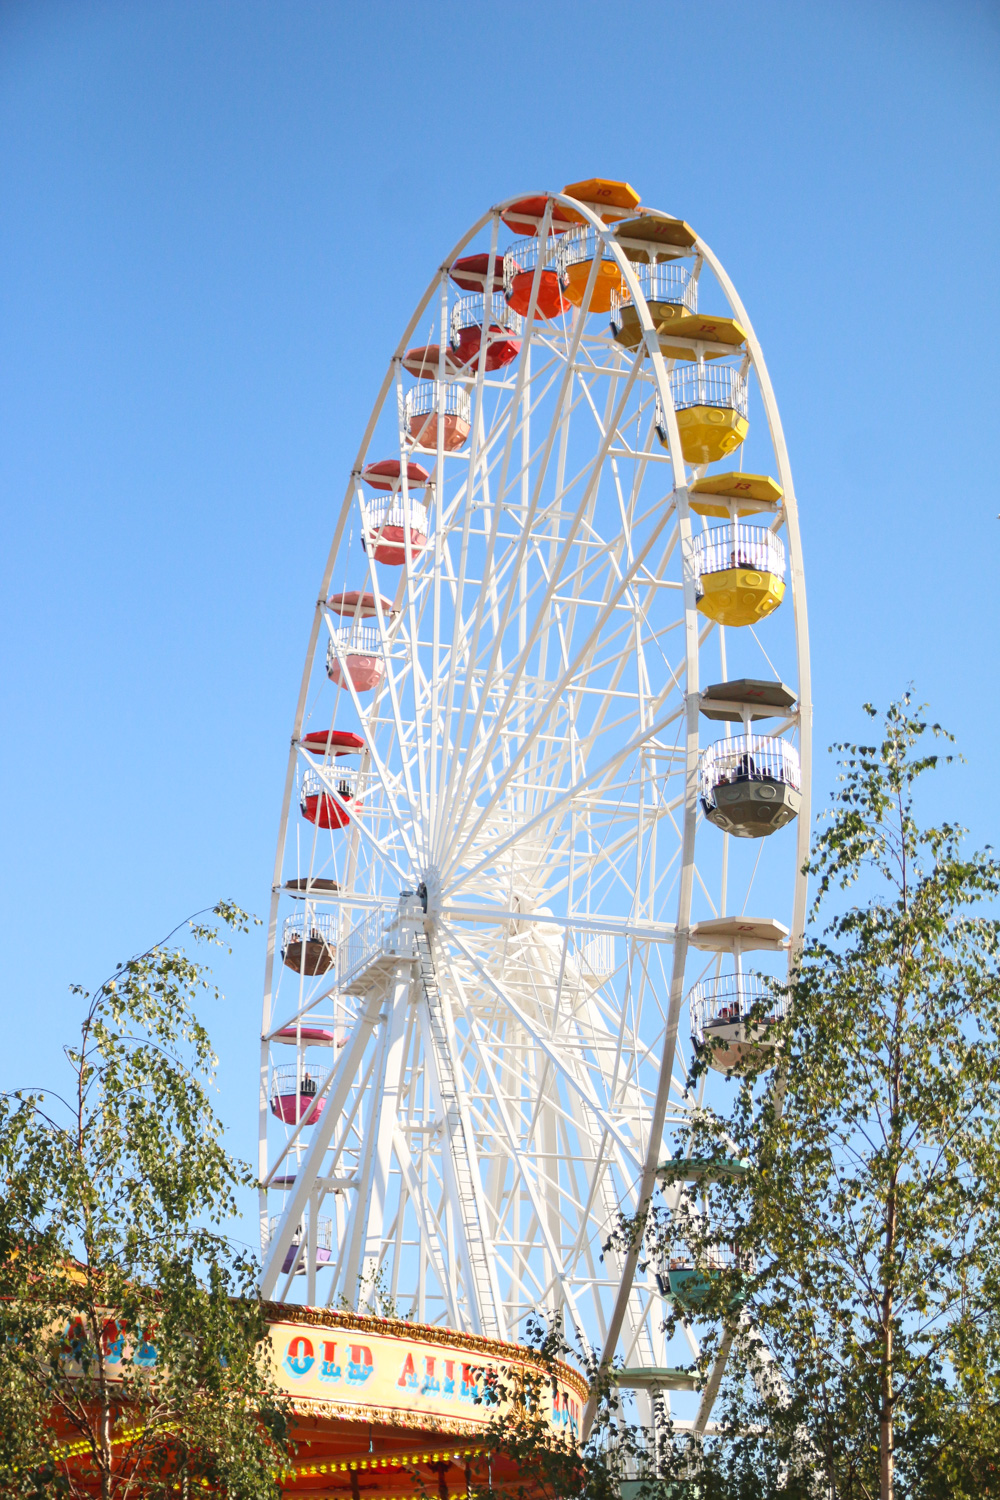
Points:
(869, 1219)
(132, 1355)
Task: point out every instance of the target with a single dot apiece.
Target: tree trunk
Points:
(107, 1452)
(885, 1426)
(885, 1457)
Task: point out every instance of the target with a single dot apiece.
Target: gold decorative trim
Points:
(387, 1417)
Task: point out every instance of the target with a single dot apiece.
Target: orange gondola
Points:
(437, 411)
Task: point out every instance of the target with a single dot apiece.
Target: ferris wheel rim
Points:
(657, 364)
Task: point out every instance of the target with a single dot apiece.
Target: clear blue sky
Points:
(216, 220)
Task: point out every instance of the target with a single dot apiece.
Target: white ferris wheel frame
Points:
(383, 1045)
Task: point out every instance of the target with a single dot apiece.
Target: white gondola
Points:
(733, 1017)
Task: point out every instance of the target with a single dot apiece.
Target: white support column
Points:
(350, 1275)
(371, 1218)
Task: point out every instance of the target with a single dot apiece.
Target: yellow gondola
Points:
(741, 573)
(711, 407)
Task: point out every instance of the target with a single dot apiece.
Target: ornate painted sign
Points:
(408, 1374)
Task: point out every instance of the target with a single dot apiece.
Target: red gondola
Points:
(470, 273)
(525, 216)
(293, 1107)
(319, 805)
(468, 318)
(519, 278)
(333, 742)
(500, 351)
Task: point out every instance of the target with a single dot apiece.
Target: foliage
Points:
(534, 1461)
(864, 1293)
(614, 1461)
(131, 1354)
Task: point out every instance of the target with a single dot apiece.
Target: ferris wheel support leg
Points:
(462, 1174)
(711, 1390)
(542, 1204)
(373, 1174)
(433, 1239)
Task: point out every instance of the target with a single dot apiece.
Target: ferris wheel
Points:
(547, 802)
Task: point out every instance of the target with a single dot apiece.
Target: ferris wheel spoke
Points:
(419, 724)
(459, 649)
(455, 585)
(452, 674)
(610, 1199)
(554, 1054)
(519, 386)
(374, 1167)
(542, 607)
(531, 1181)
(552, 703)
(593, 781)
(531, 510)
(387, 788)
(553, 1222)
(598, 781)
(567, 754)
(327, 777)
(434, 1240)
(462, 1176)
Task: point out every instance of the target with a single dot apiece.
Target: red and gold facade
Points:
(392, 1409)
